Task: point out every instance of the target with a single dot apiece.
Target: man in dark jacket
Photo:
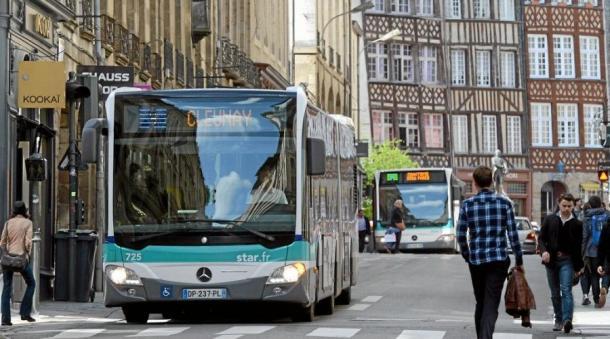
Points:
(364, 229)
(560, 244)
(595, 218)
(603, 261)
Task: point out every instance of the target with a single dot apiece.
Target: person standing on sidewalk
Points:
(397, 218)
(560, 244)
(17, 239)
(363, 229)
(487, 218)
(603, 262)
(595, 219)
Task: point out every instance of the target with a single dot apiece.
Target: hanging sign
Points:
(109, 77)
(41, 84)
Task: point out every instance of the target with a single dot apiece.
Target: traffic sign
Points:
(602, 175)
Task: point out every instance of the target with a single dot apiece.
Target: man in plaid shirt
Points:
(487, 218)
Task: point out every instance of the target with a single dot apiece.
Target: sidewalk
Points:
(51, 309)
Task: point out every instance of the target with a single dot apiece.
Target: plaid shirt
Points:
(487, 217)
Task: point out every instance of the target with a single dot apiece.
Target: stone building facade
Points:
(567, 97)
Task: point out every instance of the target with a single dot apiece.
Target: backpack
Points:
(597, 223)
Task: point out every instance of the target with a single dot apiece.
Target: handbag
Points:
(13, 262)
(389, 237)
(400, 225)
(10, 261)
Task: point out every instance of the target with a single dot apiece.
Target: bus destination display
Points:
(412, 177)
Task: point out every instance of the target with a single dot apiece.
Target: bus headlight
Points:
(120, 275)
(446, 238)
(287, 274)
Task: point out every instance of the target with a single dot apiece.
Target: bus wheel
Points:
(135, 315)
(305, 314)
(327, 306)
(345, 298)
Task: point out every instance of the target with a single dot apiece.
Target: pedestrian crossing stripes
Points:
(246, 332)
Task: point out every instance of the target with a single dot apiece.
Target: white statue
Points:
(500, 169)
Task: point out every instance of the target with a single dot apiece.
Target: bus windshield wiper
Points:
(238, 223)
(162, 234)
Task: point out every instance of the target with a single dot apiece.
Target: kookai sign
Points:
(41, 84)
(109, 77)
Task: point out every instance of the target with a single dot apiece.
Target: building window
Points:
(594, 115)
(584, 2)
(427, 64)
(402, 63)
(507, 64)
(563, 50)
(378, 61)
(408, 129)
(538, 56)
(458, 67)
(490, 136)
(460, 133)
(483, 68)
(379, 6)
(382, 126)
(513, 135)
(481, 9)
(433, 127)
(542, 131)
(589, 57)
(400, 6)
(507, 10)
(516, 188)
(425, 7)
(567, 124)
(454, 9)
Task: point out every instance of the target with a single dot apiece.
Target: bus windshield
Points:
(424, 204)
(197, 164)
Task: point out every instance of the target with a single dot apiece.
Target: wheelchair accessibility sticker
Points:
(167, 291)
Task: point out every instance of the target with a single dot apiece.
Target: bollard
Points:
(36, 269)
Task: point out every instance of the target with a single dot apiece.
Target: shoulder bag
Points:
(9, 261)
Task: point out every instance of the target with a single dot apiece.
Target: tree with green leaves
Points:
(386, 156)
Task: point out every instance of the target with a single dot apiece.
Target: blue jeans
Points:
(559, 275)
(26, 303)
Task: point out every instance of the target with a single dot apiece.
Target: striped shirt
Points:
(487, 218)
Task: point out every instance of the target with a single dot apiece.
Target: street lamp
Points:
(360, 8)
(388, 36)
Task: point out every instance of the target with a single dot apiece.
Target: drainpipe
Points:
(5, 21)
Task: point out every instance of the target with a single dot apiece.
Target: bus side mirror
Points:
(91, 131)
(316, 157)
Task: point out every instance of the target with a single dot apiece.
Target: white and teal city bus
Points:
(218, 196)
(431, 199)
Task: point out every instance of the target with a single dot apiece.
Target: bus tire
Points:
(327, 306)
(345, 298)
(135, 315)
(305, 314)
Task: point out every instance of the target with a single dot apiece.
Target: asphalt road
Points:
(405, 296)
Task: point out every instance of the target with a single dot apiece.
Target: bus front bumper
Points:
(157, 292)
(408, 245)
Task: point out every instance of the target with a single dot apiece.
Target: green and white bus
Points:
(218, 196)
(431, 200)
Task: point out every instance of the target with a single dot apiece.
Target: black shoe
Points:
(7, 323)
(28, 318)
(567, 326)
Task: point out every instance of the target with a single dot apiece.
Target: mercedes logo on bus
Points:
(414, 238)
(204, 274)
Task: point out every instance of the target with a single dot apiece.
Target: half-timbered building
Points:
(487, 87)
(406, 79)
(566, 88)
